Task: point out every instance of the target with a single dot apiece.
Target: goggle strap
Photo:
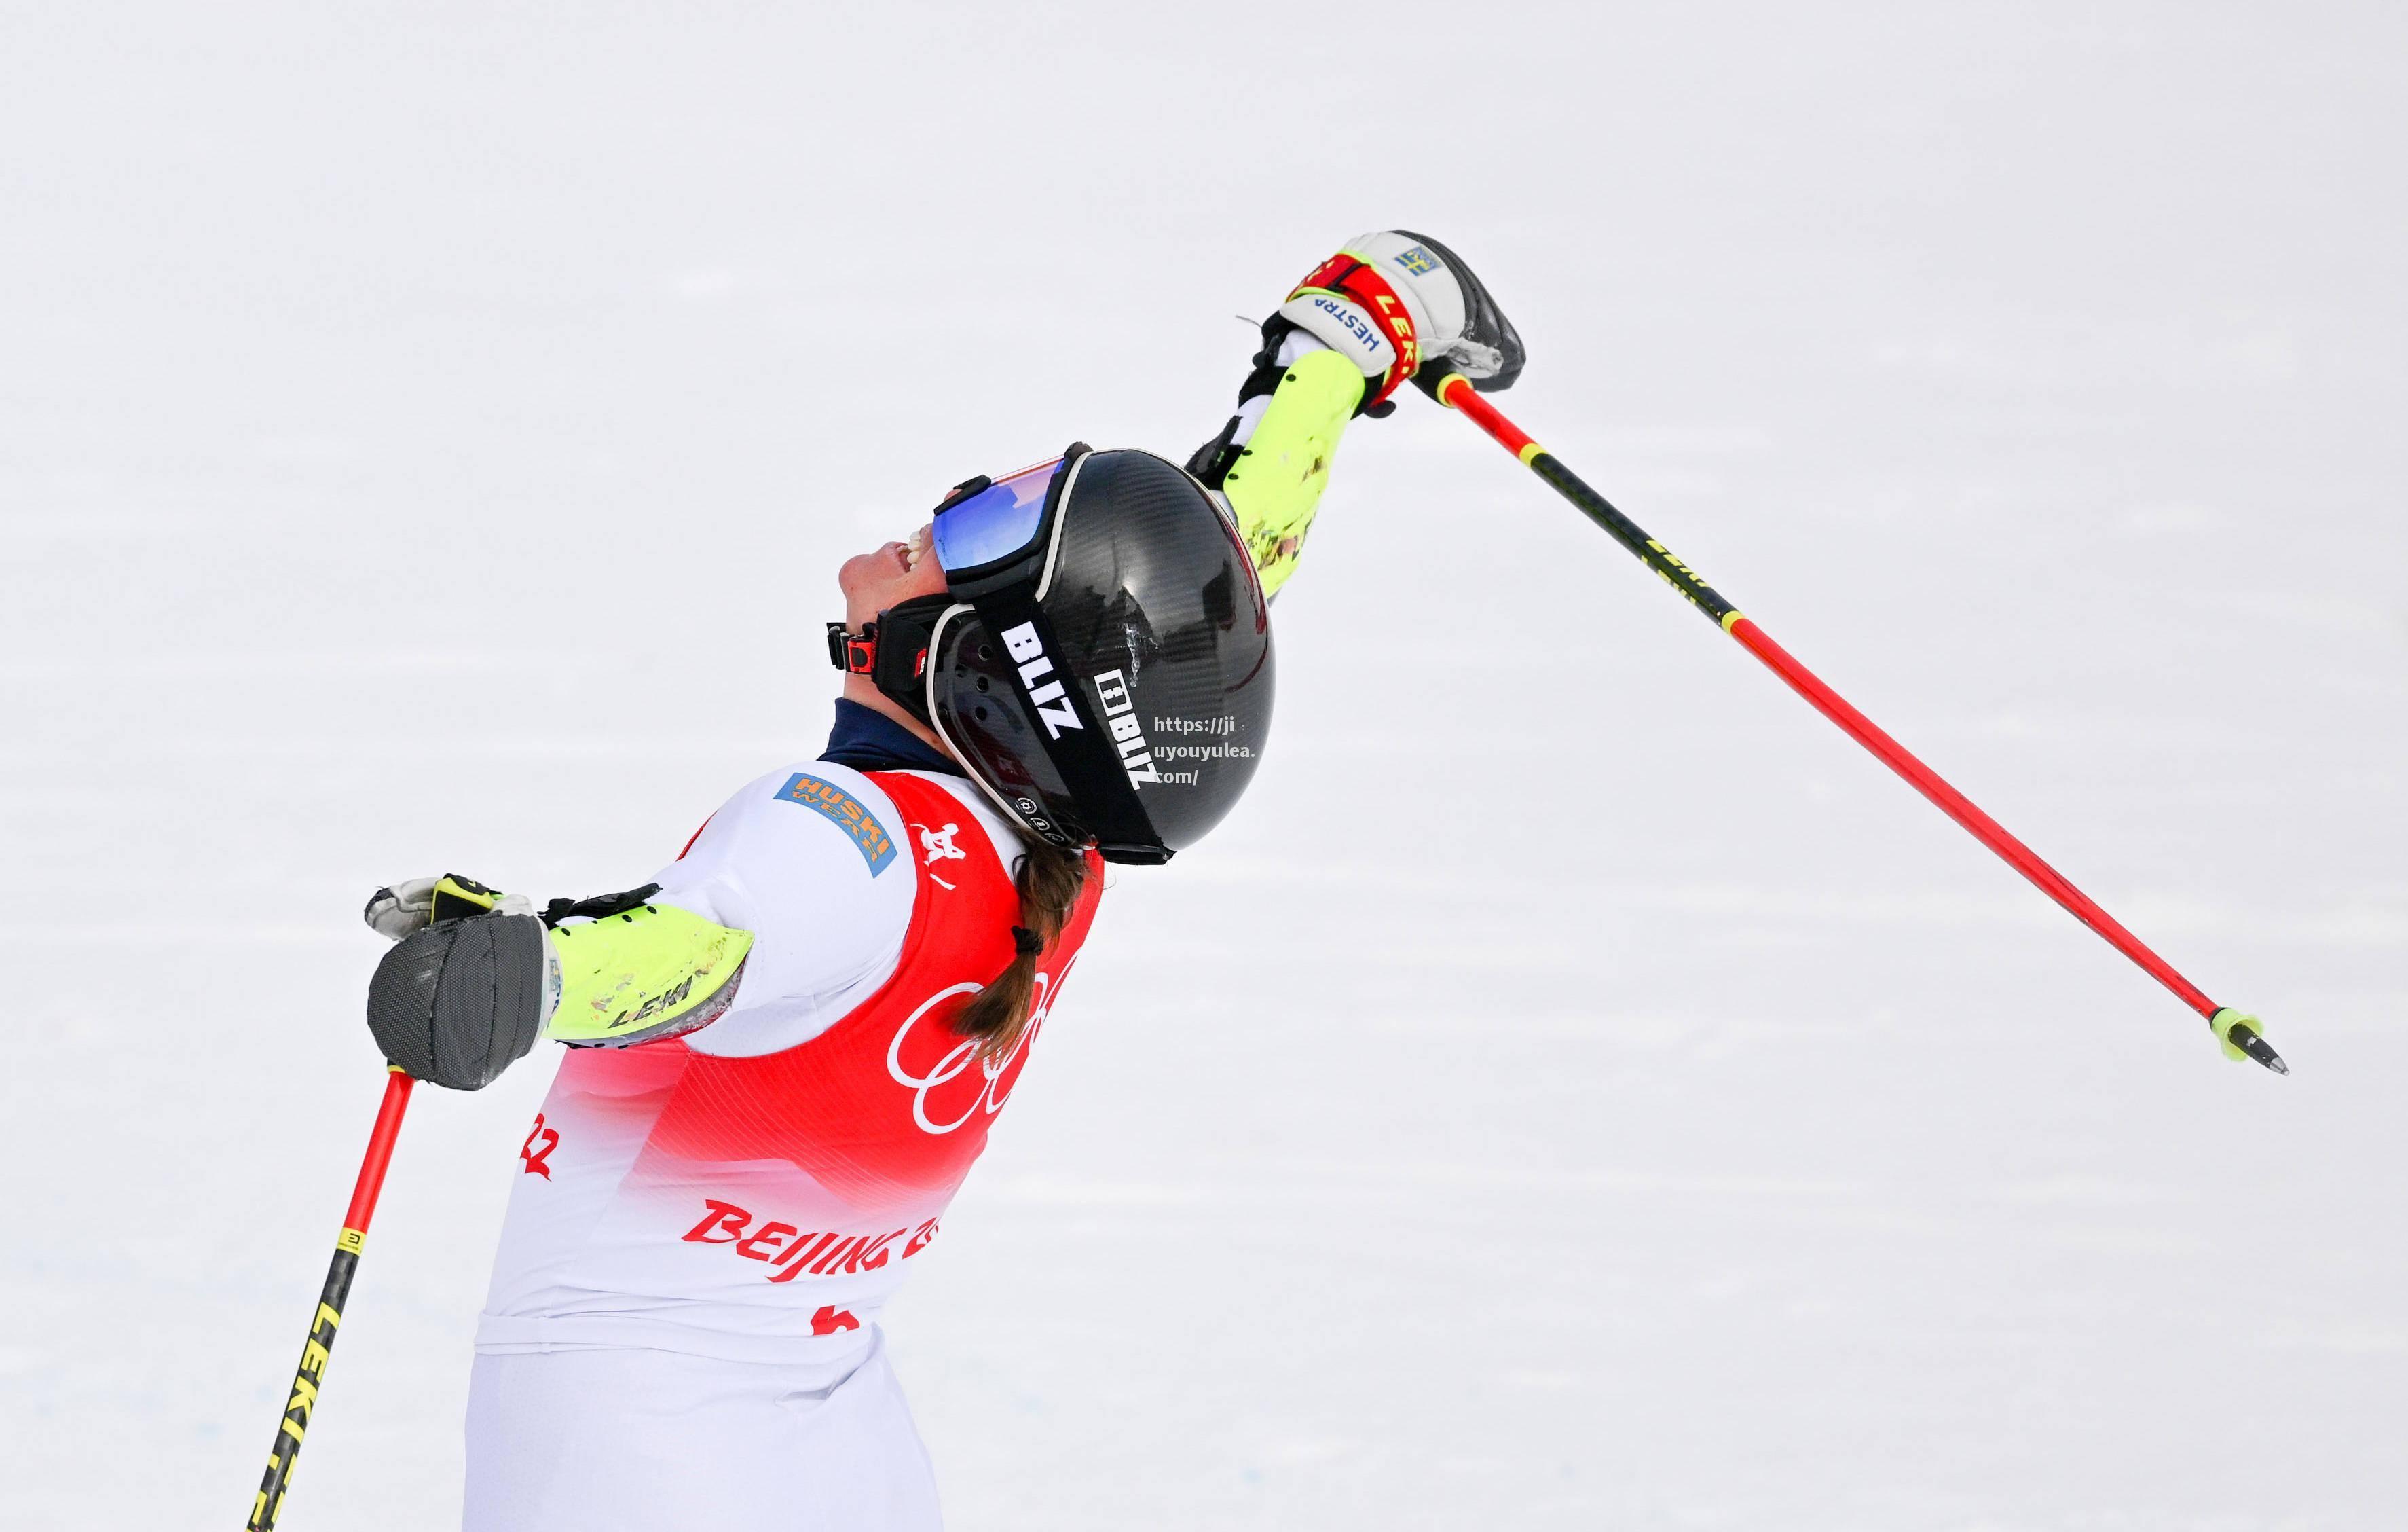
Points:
(1082, 753)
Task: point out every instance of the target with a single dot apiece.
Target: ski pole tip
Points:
(2244, 1037)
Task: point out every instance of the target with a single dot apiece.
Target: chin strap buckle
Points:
(855, 653)
(892, 651)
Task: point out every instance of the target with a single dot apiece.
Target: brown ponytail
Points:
(1050, 880)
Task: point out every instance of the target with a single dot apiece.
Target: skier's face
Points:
(890, 575)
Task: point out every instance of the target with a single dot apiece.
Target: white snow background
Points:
(1578, 1088)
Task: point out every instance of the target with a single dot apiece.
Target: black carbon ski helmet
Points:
(1101, 662)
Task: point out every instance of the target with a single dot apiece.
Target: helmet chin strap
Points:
(892, 650)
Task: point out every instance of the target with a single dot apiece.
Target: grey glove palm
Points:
(466, 989)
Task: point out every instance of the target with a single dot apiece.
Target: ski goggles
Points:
(990, 535)
(988, 523)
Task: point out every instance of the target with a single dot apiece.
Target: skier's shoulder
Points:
(809, 819)
(957, 799)
(820, 861)
(824, 850)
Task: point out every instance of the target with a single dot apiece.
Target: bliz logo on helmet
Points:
(1416, 260)
(1028, 652)
(1128, 735)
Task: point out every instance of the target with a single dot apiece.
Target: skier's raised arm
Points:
(1358, 327)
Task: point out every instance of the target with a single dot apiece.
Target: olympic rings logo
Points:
(959, 1058)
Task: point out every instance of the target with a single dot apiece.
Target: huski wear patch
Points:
(846, 813)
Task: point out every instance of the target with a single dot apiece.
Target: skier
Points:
(785, 1050)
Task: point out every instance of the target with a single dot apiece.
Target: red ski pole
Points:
(2242, 1034)
(307, 1378)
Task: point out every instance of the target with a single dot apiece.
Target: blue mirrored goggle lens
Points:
(998, 520)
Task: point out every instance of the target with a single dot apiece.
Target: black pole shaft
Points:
(1563, 482)
(1627, 532)
(307, 1378)
(301, 1403)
